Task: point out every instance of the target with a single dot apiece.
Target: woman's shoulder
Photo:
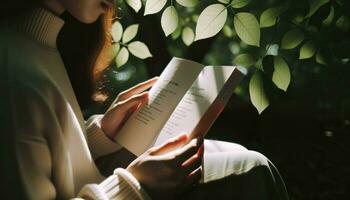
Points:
(23, 63)
(23, 58)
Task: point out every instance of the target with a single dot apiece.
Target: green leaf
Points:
(259, 64)
(176, 34)
(240, 3)
(314, 6)
(224, 1)
(139, 49)
(187, 3)
(319, 59)
(281, 74)
(272, 49)
(194, 18)
(134, 4)
(169, 20)
(245, 60)
(228, 32)
(307, 50)
(257, 92)
(114, 49)
(154, 6)
(187, 36)
(210, 21)
(342, 23)
(247, 28)
(269, 16)
(330, 17)
(130, 33)
(122, 57)
(117, 31)
(292, 39)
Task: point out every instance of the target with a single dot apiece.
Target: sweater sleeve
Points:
(121, 185)
(43, 167)
(99, 143)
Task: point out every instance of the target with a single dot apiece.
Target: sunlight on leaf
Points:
(307, 50)
(187, 36)
(130, 33)
(169, 20)
(134, 4)
(245, 60)
(211, 21)
(139, 49)
(122, 57)
(247, 28)
(154, 6)
(292, 39)
(240, 3)
(117, 31)
(330, 17)
(224, 1)
(187, 3)
(272, 49)
(315, 5)
(114, 49)
(281, 74)
(257, 92)
(269, 16)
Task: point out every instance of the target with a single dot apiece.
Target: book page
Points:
(196, 103)
(142, 128)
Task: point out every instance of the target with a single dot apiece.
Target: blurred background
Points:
(305, 131)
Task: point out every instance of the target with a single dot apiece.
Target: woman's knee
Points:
(214, 146)
(257, 158)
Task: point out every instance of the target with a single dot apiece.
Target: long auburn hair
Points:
(83, 47)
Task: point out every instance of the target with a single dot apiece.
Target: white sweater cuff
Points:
(98, 142)
(121, 185)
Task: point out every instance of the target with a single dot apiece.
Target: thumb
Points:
(170, 145)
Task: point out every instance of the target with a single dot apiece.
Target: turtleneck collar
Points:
(41, 25)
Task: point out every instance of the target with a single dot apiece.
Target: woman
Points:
(51, 150)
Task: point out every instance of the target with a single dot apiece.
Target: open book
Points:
(188, 97)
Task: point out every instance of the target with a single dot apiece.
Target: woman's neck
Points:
(54, 6)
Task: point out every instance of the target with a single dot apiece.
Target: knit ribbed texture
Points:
(54, 161)
(121, 185)
(42, 26)
(131, 180)
(98, 142)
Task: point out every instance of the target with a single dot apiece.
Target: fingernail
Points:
(182, 137)
(145, 95)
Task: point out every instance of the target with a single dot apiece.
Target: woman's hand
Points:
(123, 106)
(170, 169)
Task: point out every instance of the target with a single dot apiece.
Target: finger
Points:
(136, 89)
(121, 112)
(187, 151)
(170, 145)
(194, 162)
(132, 102)
(193, 179)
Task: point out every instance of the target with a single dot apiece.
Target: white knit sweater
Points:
(55, 148)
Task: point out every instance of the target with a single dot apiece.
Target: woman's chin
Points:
(88, 19)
